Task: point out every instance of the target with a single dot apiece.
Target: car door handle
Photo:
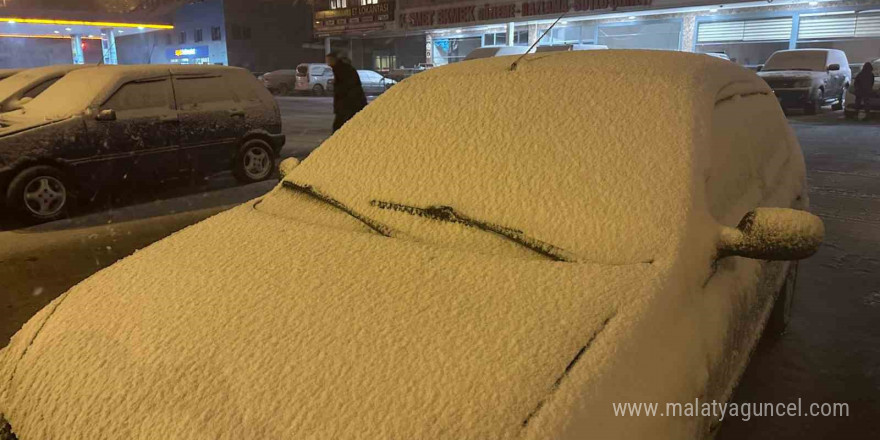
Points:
(169, 118)
(236, 112)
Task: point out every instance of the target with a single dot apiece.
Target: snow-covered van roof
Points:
(490, 141)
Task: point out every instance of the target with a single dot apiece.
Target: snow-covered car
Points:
(372, 82)
(507, 262)
(808, 78)
(495, 51)
(18, 89)
(101, 126)
(569, 47)
(720, 55)
(873, 101)
(313, 78)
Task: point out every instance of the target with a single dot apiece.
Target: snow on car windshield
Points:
(813, 60)
(508, 148)
(69, 95)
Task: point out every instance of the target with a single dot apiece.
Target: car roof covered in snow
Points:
(562, 148)
(77, 90)
(30, 77)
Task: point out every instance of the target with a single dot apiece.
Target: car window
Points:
(140, 95)
(39, 88)
(244, 87)
(195, 91)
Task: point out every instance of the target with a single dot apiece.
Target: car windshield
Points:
(809, 60)
(69, 95)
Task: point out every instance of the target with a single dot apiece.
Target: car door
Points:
(750, 154)
(136, 131)
(366, 82)
(211, 122)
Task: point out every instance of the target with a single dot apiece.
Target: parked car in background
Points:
(373, 83)
(26, 85)
(495, 51)
(873, 102)
(313, 78)
(280, 82)
(4, 73)
(101, 126)
(808, 78)
(487, 268)
(569, 47)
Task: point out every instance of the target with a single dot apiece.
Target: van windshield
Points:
(811, 60)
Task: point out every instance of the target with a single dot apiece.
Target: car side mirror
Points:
(106, 115)
(17, 104)
(773, 234)
(832, 67)
(287, 165)
(760, 67)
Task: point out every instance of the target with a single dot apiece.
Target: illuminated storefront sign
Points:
(188, 52)
(357, 18)
(472, 14)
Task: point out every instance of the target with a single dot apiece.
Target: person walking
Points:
(348, 94)
(864, 87)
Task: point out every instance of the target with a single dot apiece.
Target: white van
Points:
(313, 78)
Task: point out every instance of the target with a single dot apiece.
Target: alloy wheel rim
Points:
(256, 163)
(45, 196)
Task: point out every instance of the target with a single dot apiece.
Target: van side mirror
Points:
(832, 67)
(760, 67)
(773, 234)
(106, 115)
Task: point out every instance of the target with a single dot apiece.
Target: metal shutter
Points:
(774, 29)
(868, 24)
(819, 26)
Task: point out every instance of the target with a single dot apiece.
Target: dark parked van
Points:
(104, 125)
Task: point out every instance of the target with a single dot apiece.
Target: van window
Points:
(194, 91)
(140, 95)
(302, 70)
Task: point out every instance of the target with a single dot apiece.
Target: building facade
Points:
(445, 31)
(259, 35)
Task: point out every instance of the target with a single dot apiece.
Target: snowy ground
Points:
(830, 354)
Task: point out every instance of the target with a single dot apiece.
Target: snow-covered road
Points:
(830, 354)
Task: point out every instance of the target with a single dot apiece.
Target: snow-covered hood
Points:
(792, 75)
(251, 324)
(18, 121)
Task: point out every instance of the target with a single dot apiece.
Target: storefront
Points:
(746, 31)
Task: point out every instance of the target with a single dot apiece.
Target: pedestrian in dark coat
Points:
(348, 94)
(864, 87)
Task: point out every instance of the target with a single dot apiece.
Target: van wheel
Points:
(39, 194)
(781, 314)
(841, 101)
(318, 90)
(254, 161)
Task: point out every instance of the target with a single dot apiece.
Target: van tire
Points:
(254, 162)
(39, 194)
(318, 90)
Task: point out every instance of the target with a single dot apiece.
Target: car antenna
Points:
(516, 63)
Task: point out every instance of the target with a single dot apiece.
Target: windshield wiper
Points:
(448, 214)
(311, 191)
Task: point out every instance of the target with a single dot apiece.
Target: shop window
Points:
(521, 38)
(215, 33)
(384, 62)
(369, 2)
(658, 35)
(197, 36)
(495, 39)
(446, 51)
(337, 4)
(182, 38)
(748, 43)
